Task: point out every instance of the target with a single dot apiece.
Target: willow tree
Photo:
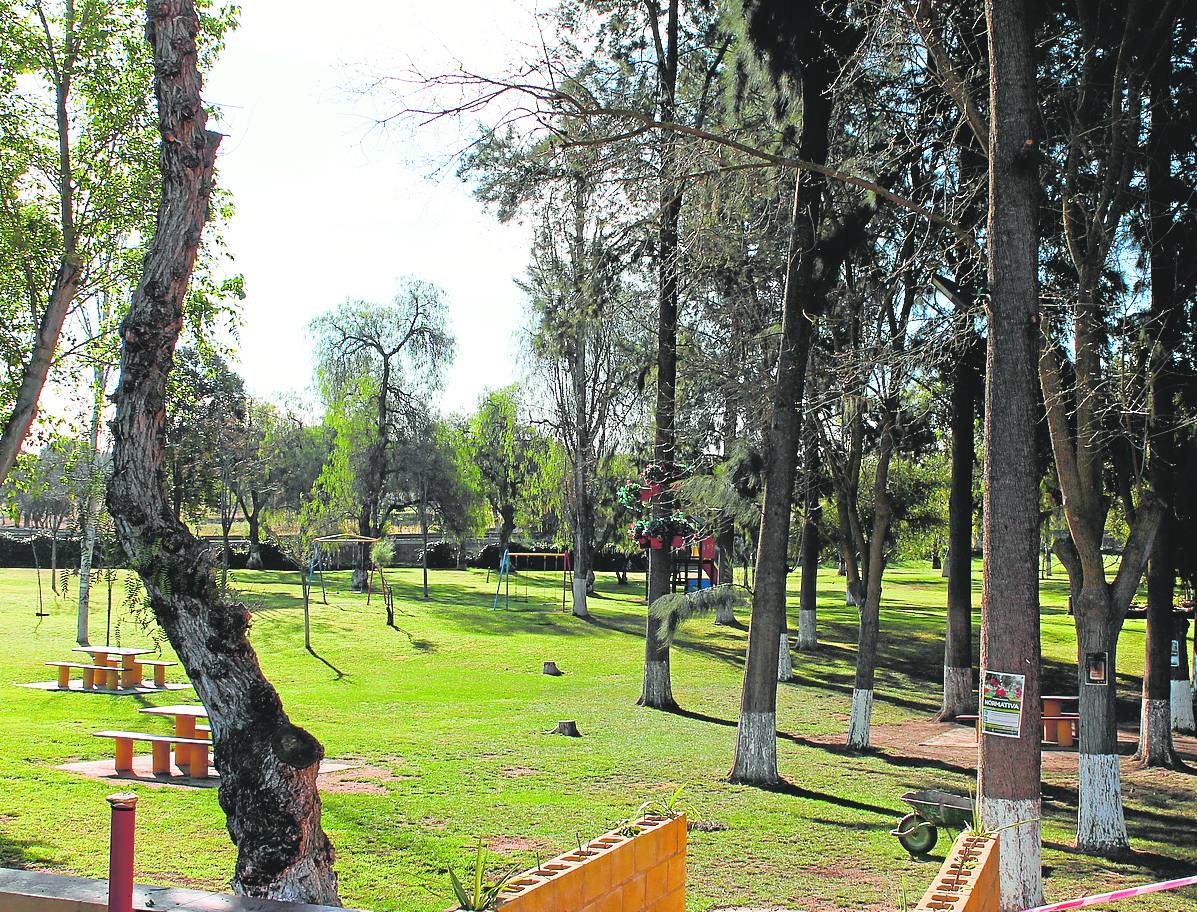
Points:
(268, 765)
(378, 365)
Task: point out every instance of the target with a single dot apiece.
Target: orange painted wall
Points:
(968, 880)
(642, 873)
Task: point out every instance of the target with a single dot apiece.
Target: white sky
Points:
(329, 206)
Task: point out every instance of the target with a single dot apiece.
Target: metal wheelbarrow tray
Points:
(918, 831)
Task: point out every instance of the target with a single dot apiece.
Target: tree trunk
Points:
(33, 376)
(254, 532)
(1008, 769)
(657, 688)
(756, 740)
(808, 637)
(725, 614)
(506, 526)
(1182, 685)
(1155, 724)
(268, 766)
(1101, 825)
(91, 505)
(424, 538)
(958, 645)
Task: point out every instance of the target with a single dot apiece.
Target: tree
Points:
(806, 45)
(1100, 109)
(378, 365)
(268, 765)
(1008, 770)
(509, 456)
(77, 157)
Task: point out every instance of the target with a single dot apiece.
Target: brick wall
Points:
(614, 873)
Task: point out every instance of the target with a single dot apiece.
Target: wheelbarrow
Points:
(918, 831)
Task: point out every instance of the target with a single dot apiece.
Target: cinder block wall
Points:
(968, 880)
(641, 873)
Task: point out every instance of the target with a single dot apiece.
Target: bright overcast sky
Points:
(330, 207)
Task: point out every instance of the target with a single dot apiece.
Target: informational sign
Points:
(1097, 668)
(1001, 704)
(1176, 653)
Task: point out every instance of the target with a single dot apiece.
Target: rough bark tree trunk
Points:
(1155, 723)
(1008, 769)
(657, 688)
(725, 614)
(268, 766)
(755, 760)
(808, 596)
(958, 645)
(1182, 685)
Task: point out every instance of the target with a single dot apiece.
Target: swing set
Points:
(320, 554)
(506, 569)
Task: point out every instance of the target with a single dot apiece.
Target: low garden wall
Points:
(640, 867)
(968, 880)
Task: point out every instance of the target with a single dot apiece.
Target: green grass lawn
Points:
(451, 702)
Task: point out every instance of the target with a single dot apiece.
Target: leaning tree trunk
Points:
(756, 736)
(1008, 769)
(958, 645)
(253, 523)
(268, 766)
(33, 377)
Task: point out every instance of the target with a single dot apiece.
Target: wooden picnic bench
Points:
(196, 751)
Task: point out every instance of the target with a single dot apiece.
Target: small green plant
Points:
(668, 807)
(483, 894)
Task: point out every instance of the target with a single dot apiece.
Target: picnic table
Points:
(185, 716)
(130, 670)
(1057, 724)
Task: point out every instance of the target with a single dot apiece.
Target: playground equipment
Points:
(320, 547)
(695, 567)
(506, 569)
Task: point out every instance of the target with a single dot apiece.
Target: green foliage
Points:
(482, 894)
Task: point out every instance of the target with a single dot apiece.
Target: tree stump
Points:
(567, 727)
(550, 668)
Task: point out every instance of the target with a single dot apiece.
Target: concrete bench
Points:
(159, 667)
(89, 673)
(1065, 726)
(197, 752)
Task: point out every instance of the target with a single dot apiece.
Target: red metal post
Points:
(120, 853)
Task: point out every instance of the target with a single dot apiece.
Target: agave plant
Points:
(482, 894)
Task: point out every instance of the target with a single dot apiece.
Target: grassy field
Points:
(451, 709)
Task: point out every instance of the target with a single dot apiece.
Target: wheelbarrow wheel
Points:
(916, 835)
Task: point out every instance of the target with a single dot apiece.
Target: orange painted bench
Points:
(159, 667)
(197, 752)
(64, 674)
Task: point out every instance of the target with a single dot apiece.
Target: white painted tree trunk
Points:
(1182, 708)
(756, 750)
(785, 665)
(725, 615)
(1155, 728)
(1020, 856)
(862, 713)
(580, 608)
(1101, 825)
(87, 550)
(808, 637)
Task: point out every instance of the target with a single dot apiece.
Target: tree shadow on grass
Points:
(338, 674)
(22, 854)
